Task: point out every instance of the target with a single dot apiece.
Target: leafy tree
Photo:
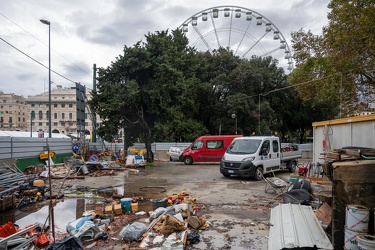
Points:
(152, 83)
(338, 66)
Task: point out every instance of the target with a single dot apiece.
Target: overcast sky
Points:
(85, 32)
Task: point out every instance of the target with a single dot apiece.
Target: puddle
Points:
(82, 199)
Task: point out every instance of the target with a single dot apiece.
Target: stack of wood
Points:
(352, 153)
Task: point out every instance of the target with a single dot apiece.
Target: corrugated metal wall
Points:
(26, 147)
(347, 132)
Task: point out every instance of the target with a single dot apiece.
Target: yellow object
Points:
(108, 209)
(134, 207)
(38, 183)
(44, 155)
(117, 209)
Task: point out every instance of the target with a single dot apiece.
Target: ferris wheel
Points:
(243, 31)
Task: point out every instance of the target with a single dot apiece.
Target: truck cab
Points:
(256, 155)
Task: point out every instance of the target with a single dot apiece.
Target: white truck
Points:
(254, 156)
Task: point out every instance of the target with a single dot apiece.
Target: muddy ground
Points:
(236, 209)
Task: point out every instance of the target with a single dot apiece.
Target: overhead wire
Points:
(44, 44)
(36, 60)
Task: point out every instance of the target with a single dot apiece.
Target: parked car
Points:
(174, 153)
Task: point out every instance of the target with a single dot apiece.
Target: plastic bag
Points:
(155, 214)
(68, 243)
(133, 232)
(193, 237)
(42, 240)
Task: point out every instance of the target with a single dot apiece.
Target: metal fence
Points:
(25, 147)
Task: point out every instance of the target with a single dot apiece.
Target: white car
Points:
(174, 153)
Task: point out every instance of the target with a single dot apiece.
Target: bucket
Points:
(357, 218)
(350, 241)
(125, 204)
(159, 203)
(366, 242)
(134, 207)
(85, 170)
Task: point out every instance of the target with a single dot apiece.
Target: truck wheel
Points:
(258, 174)
(292, 166)
(188, 160)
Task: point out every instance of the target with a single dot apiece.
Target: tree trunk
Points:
(150, 154)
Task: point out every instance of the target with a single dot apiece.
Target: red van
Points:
(207, 148)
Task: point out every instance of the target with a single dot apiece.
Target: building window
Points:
(40, 123)
(10, 107)
(1, 112)
(70, 105)
(40, 105)
(4, 101)
(32, 105)
(47, 114)
(63, 105)
(10, 112)
(55, 105)
(47, 123)
(70, 116)
(23, 119)
(55, 116)
(62, 123)
(19, 119)
(55, 124)
(70, 123)
(10, 119)
(62, 115)
(40, 115)
(1, 107)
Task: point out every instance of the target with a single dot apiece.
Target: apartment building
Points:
(13, 112)
(63, 109)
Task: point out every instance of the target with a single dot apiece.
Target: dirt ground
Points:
(237, 210)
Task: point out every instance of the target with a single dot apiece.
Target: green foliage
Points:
(338, 66)
(163, 90)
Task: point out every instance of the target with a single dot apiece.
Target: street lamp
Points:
(234, 116)
(46, 22)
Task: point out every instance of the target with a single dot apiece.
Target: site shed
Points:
(357, 131)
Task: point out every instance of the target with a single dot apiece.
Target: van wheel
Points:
(188, 160)
(258, 174)
(292, 166)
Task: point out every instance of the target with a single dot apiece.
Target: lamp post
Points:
(46, 22)
(234, 116)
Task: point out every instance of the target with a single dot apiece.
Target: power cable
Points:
(36, 60)
(45, 44)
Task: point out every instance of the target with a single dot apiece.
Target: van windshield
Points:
(249, 146)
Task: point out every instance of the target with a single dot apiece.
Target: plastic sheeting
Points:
(68, 243)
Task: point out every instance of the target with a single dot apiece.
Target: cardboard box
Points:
(108, 209)
(117, 209)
